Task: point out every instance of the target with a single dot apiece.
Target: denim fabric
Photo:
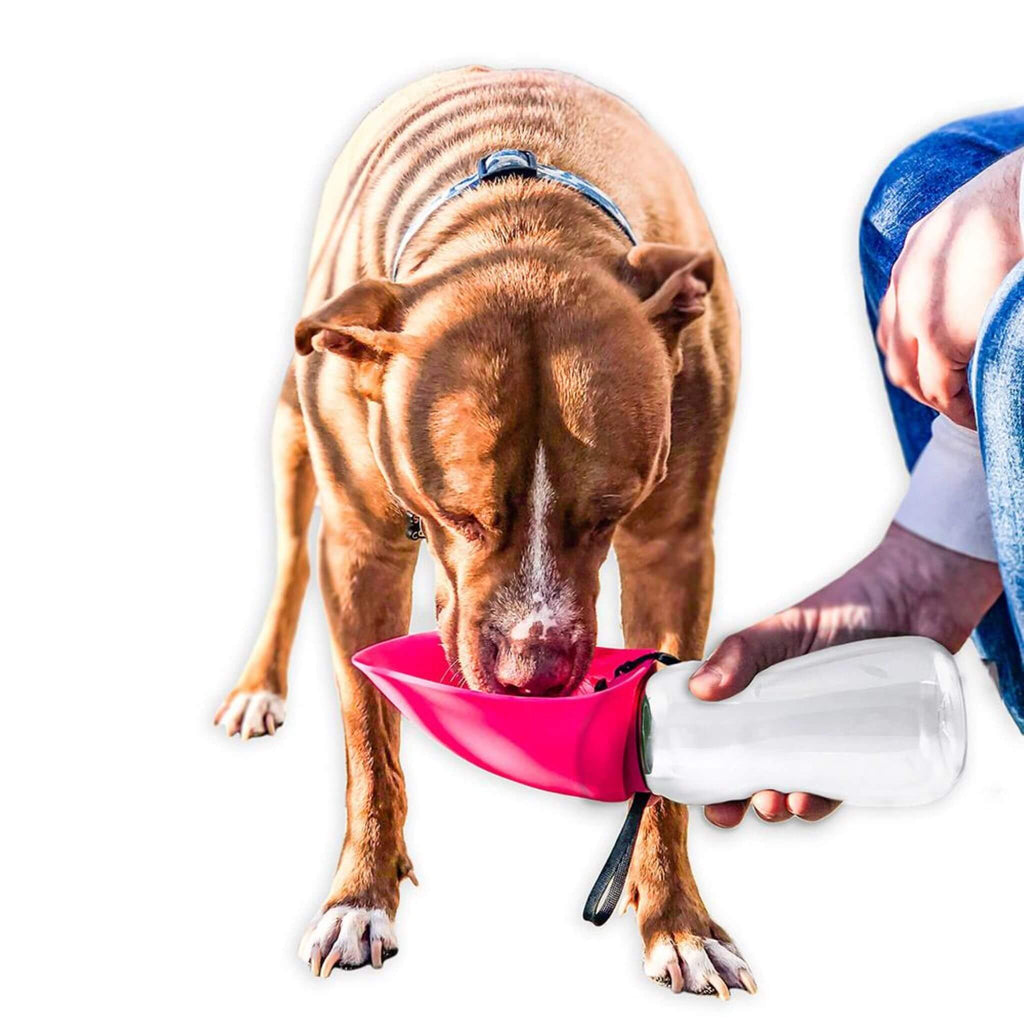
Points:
(997, 383)
(920, 178)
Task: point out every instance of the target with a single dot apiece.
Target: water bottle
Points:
(876, 723)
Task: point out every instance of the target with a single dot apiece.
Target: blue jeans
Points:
(920, 178)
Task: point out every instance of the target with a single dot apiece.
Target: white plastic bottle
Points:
(877, 723)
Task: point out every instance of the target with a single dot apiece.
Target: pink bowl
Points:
(582, 745)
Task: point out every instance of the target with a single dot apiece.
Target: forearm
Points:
(940, 593)
(907, 586)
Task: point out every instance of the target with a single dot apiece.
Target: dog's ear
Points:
(673, 284)
(361, 325)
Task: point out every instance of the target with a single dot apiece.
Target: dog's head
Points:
(521, 408)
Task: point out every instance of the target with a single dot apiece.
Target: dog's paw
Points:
(348, 937)
(251, 713)
(699, 964)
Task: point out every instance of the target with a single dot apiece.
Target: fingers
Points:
(739, 658)
(886, 318)
(943, 384)
(726, 815)
(810, 807)
(735, 661)
(918, 367)
(961, 410)
(901, 358)
(898, 345)
(771, 806)
(919, 362)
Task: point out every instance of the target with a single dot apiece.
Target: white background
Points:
(162, 171)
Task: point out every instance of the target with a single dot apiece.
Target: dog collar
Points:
(504, 163)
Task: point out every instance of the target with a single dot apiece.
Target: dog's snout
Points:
(534, 666)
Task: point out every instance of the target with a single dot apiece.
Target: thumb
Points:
(738, 658)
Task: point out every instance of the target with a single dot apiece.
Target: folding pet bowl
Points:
(582, 745)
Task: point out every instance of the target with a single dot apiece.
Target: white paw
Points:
(348, 937)
(705, 966)
(255, 713)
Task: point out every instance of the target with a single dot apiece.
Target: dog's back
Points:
(430, 134)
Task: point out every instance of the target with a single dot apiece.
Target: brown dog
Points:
(535, 388)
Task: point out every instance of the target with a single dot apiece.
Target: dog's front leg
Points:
(255, 707)
(366, 582)
(667, 577)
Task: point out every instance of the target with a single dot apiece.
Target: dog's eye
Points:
(468, 525)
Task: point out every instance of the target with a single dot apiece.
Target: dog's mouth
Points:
(482, 677)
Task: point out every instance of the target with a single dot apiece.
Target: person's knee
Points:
(893, 207)
(915, 182)
(886, 221)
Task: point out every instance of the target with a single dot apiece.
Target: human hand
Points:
(906, 586)
(952, 263)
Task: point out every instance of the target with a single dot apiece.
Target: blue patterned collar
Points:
(503, 163)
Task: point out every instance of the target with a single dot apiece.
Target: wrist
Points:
(942, 594)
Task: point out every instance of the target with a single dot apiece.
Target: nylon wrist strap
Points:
(607, 890)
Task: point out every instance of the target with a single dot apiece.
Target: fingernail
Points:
(707, 676)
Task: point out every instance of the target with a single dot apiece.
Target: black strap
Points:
(659, 656)
(608, 887)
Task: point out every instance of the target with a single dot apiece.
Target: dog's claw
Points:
(348, 937)
(251, 713)
(329, 964)
(675, 973)
(690, 963)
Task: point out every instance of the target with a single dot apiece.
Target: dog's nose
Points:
(534, 667)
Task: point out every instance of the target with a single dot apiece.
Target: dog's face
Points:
(521, 412)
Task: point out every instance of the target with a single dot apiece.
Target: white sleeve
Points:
(947, 502)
